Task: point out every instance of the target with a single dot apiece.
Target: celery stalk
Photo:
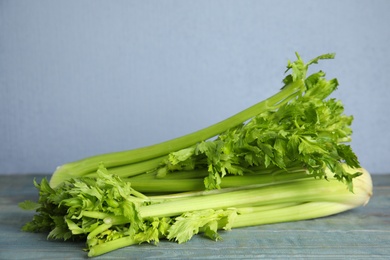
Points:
(89, 165)
(180, 184)
(301, 190)
(293, 201)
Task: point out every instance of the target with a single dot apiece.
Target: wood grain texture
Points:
(357, 234)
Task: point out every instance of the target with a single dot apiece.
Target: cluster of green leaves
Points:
(208, 221)
(310, 130)
(88, 207)
(107, 209)
(50, 213)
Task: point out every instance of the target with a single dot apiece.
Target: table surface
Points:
(360, 233)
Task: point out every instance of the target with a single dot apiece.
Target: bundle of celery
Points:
(283, 159)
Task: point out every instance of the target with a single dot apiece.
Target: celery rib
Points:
(88, 165)
(302, 211)
(111, 245)
(300, 190)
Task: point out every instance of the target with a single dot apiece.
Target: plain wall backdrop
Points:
(79, 78)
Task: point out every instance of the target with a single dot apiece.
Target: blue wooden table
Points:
(362, 233)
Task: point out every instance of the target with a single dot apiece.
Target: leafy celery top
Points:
(303, 129)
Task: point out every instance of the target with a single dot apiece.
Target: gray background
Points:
(79, 78)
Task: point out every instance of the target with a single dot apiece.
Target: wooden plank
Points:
(358, 234)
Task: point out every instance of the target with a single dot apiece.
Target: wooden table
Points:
(362, 233)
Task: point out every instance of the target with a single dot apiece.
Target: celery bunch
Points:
(283, 159)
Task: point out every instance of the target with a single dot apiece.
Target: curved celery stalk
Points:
(298, 200)
(329, 204)
(143, 155)
(300, 190)
(150, 185)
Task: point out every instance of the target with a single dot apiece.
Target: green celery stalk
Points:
(300, 190)
(145, 154)
(291, 201)
(180, 184)
(261, 216)
(301, 211)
